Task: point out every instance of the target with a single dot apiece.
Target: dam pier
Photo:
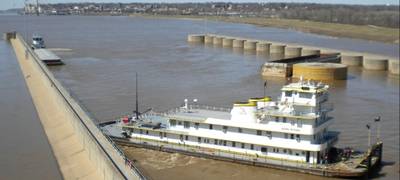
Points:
(367, 61)
(81, 149)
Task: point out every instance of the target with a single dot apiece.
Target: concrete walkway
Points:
(73, 160)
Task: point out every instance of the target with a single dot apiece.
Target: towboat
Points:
(290, 133)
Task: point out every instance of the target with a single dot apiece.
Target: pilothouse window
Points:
(288, 93)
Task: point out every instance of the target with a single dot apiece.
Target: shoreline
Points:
(363, 32)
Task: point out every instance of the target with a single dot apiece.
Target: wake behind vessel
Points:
(290, 133)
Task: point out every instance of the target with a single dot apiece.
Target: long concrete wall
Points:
(81, 149)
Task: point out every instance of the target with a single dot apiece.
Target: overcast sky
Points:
(7, 4)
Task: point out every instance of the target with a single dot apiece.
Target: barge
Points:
(291, 133)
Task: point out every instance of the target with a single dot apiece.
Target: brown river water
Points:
(102, 55)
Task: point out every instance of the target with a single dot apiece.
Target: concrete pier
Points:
(238, 43)
(375, 64)
(195, 38)
(278, 49)
(351, 60)
(308, 52)
(320, 71)
(208, 39)
(217, 40)
(293, 51)
(274, 48)
(249, 45)
(394, 67)
(263, 47)
(227, 42)
(81, 149)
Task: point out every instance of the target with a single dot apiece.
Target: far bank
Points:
(365, 32)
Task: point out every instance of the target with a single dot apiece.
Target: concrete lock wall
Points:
(217, 40)
(309, 52)
(208, 39)
(351, 60)
(227, 42)
(263, 47)
(277, 49)
(249, 45)
(375, 64)
(394, 67)
(196, 38)
(238, 43)
(81, 149)
(293, 51)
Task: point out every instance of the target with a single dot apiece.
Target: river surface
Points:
(103, 53)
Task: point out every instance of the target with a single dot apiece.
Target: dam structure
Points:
(367, 61)
(81, 149)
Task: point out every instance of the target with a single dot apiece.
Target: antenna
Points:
(137, 100)
(37, 7)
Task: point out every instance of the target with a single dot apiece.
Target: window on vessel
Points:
(288, 93)
(284, 119)
(147, 132)
(276, 119)
(172, 122)
(215, 142)
(224, 143)
(286, 135)
(186, 137)
(297, 154)
(165, 134)
(240, 130)
(205, 140)
(199, 139)
(242, 145)
(305, 95)
(303, 152)
(251, 146)
(259, 132)
(180, 123)
(285, 151)
(291, 136)
(277, 150)
(181, 137)
(299, 123)
(298, 137)
(290, 151)
(211, 126)
(196, 125)
(233, 144)
(269, 134)
(140, 131)
(264, 149)
(225, 129)
(186, 124)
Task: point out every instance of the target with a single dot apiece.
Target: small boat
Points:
(37, 42)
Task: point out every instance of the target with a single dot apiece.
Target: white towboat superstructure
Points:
(295, 128)
(290, 133)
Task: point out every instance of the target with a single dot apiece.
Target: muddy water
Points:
(102, 55)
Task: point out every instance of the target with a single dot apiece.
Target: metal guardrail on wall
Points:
(66, 95)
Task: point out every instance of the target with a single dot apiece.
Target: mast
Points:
(37, 7)
(137, 100)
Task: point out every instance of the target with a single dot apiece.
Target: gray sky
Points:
(7, 4)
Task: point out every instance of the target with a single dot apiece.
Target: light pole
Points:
(369, 136)
(378, 128)
(265, 87)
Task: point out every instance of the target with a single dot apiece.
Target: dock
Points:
(48, 57)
